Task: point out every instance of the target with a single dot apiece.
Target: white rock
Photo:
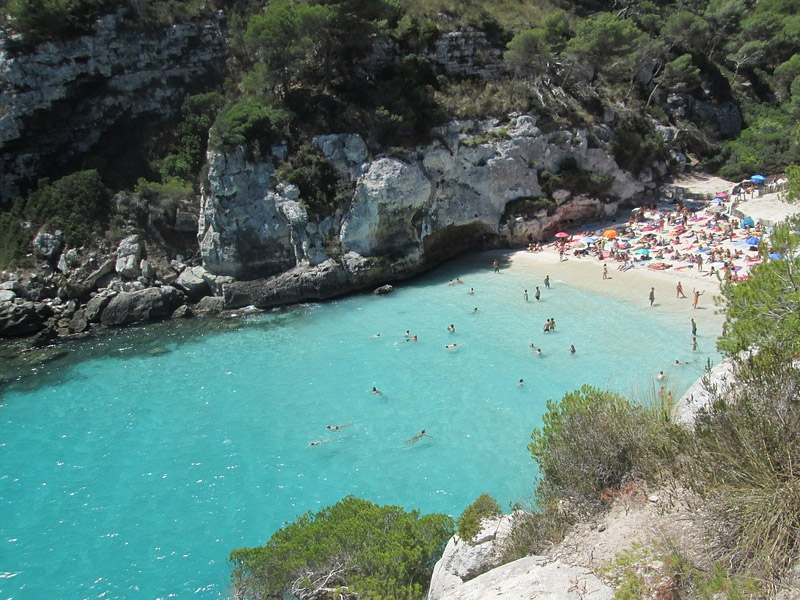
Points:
(533, 578)
(129, 253)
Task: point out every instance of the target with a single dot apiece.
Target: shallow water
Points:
(132, 468)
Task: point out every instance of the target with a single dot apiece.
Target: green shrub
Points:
(251, 123)
(592, 440)
(40, 20)
(469, 523)
(528, 207)
(378, 552)
(78, 204)
(310, 171)
(746, 458)
(15, 239)
(198, 113)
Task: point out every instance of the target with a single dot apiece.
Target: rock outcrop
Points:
(60, 99)
(149, 304)
(406, 213)
(463, 560)
(534, 578)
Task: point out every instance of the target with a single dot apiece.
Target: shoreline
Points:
(632, 285)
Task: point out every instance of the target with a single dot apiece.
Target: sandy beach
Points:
(703, 234)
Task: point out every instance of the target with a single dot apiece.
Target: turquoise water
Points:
(133, 472)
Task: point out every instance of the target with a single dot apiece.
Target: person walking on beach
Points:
(652, 296)
(679, 291)
(537, 294)
(547, 281)
(697, 294)
(605, 271)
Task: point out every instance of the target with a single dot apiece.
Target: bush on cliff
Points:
(594, 440)
(250, 122)
(746, 456)
(352, 549)
(469, 523)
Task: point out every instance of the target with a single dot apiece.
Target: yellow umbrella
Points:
(610, 234)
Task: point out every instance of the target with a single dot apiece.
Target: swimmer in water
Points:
(417, 438)
(538, 352)
(572, 348)
(660, 375)
(450, 346)
(451, 328)
(521, 382)
(320, 442)
(337, 427)
(376, 390)
(375, 337)
(474, 310)
(471, 291)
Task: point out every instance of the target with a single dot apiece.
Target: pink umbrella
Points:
(722, 194)
(562, 234)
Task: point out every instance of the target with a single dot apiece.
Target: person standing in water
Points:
(694, 328)
(537, 294)
(496, 265)
(525, 295)
(547, 281)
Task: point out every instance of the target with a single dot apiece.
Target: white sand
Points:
(634, 284)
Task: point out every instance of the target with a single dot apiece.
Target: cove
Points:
(133, 467)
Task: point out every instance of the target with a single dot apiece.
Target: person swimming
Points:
(521, 382)
(376, 390)
(450, 346)
(337, 427)
(320, 442)
(572, 348)
(451, 328)
(417, 437)
(375, 337)
(471, 291)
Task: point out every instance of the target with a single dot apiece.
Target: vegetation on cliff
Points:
(724, 74)
(353, 549)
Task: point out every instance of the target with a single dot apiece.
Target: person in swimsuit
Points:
(417, 437)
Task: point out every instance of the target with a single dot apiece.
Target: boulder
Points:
(78, 322)
(7, 295)
(534, 578)
(20, 319)
(210, 305)
(384, 289)
(142, 305)
(146, 270)
(182, 312)
(96, 305)
(87, 278)
(192, 282)
(465, 560)
(129, 253)
(48, 245)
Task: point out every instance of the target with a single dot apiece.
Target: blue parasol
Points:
(752, 241)
(775, 255)
(758, 179)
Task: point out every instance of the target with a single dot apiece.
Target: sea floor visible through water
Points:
(132, 467)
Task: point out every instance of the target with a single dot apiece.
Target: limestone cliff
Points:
(59, 100)
(407, 212)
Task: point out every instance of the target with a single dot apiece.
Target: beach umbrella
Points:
(579, 246)
(589, 240)
(562, 234)
(642, 251)
(748, 222)
(610, 234)
(758, 178)
(752, 241)
(722, 194)
(774, 255)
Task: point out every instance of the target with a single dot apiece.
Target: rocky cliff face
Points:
(57, 101)
(407, 212)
